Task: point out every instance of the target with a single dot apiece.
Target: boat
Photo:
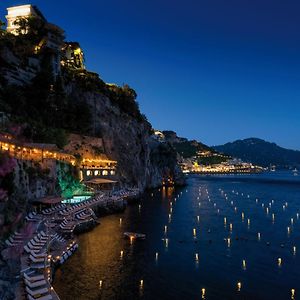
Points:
(272, 168)
(135, 235)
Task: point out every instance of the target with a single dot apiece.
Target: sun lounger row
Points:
(33, 217)
(59, 238)
(49, 211)
(37, 242)
(67, 225)
(83, 215)
(37, 287)
(14, 240)
(82, 205)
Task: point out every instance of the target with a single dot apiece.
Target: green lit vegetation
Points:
(68, 183)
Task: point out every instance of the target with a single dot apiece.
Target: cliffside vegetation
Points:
(43, 105)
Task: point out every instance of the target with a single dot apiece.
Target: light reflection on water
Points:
(200, 251)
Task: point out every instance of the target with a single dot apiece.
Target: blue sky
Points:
(212, 70)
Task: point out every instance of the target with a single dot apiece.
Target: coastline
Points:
(60, 235)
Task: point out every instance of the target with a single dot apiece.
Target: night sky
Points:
(210, 70)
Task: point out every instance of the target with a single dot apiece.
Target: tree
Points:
(32, 26)
(2, 24)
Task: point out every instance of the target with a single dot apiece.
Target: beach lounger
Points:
(32, 247)
(40, 240)
(45, 297)
(8, 243)
(37, 292)
(38, 255)
(33, 278)
(35, 244)
(26, 248)
(37, 259)
(13, 241)
(36, 284)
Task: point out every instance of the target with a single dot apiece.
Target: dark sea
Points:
(220, 237)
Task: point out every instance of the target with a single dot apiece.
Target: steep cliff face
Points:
(142, 161)
(105, 111)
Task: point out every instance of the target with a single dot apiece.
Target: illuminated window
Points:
(88, 173)
(112, 172)
(105, 172)
(96, 173)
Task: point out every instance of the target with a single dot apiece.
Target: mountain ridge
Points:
(261, 152)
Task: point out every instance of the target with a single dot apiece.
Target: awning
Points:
(100, 181)
(49, 200)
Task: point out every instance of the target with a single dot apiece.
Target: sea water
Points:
(220, 237)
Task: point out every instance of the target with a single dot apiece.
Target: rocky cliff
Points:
(79, 101)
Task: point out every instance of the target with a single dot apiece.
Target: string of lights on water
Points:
(244, 223)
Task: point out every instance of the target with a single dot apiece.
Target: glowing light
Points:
(156, 256)
(166, 228)
(121, 254)
(120, 221)
(294, 250)
(141, 283)
(243, 216)
(225, 220)
(258, 235)
(203, 293)
(244, 264)
(288, 230)
(167, 242)
(100, 284)
(239, 286)
(198, 218)
(293, 294)
(292, 221)
(228, 242)
(279, 261)
(194, 231)
(230, 226)
(197, 257)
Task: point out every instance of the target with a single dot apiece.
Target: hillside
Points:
(190, 150)
(260, 152)
(184, 147)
